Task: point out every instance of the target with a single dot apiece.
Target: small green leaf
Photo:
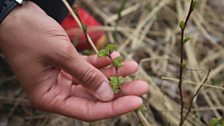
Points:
(121, 79)
(118, 62)
(117, 80)
(115, 88)
(143, 108)
(181, 24)
(111, 47)
(213, 122)
(184, 65)
(186, 39)
(113, 80)
(115, 83)
(87, 52)
(216, 122)
(103, 53)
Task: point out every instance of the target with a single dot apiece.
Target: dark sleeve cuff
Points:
(54, 8)
(1, 4)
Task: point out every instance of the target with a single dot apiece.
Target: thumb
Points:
(89, 76)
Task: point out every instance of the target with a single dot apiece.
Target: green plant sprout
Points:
(117, 63)
(115, 81)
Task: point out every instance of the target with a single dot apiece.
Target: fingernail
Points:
(104, 92)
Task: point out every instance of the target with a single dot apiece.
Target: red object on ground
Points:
(76, 35)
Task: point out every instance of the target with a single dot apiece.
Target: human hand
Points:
(55, 77)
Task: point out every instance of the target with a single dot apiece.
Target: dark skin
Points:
(55, 76)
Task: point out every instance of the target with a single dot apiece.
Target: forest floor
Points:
(146, 31)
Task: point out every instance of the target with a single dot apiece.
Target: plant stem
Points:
(142, 118)
(181, 63)
(138, 113)
(195, 95)
(81, 25)
(116, 71)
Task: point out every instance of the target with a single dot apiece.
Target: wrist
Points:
(6, 6)
(16, 19)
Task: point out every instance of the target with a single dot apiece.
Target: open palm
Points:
(66, 96)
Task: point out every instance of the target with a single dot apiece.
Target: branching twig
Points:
(183, 25)
(194, 96)
(116, 68)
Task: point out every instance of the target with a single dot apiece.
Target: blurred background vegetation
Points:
(146, 31)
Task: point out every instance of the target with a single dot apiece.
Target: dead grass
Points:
(148, 33)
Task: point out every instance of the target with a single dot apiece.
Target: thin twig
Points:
(119, 12)
(193, 83)
(142, 118)
(182, 61)
(81, 25)
(138, 113)
(195, 95)
(116, 72)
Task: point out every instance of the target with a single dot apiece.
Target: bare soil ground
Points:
(146, 31)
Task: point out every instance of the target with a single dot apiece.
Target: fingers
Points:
(89, 76)
(91, 111)
(129, 67)
(136, 88)
(100, 62)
